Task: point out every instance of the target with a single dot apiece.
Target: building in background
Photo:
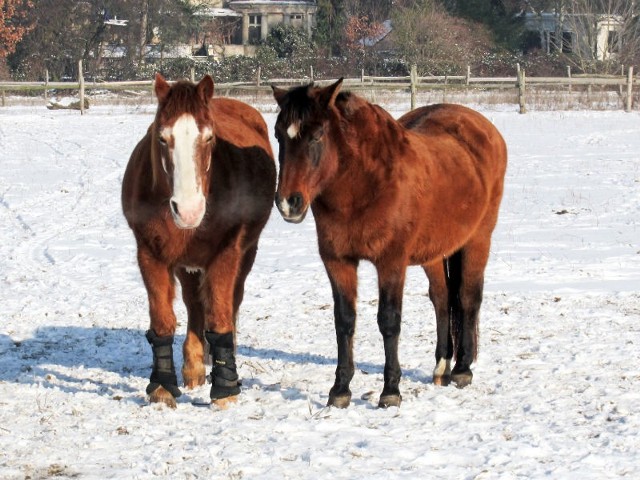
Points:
(237, 27)
(595, 35)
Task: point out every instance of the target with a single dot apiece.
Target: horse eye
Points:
(209, 139)
(317, 135)
(162, 140)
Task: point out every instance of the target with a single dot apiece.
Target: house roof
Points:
(271, 2)
(217, 12)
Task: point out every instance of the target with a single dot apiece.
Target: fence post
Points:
(414, 81)
(81, 82)
(444, 90)
(4, 99)
(468, 79)
(629, 102)
(311, 72)
(258, 75)
(521, 90)
(46, 84)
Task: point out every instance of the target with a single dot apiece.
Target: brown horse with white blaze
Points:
(423, 190)
(197, 193)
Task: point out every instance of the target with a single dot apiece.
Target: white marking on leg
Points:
(442, 368)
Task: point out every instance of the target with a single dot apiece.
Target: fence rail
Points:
(411, 83)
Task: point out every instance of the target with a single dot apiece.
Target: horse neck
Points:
(370, 140)
(367, 144)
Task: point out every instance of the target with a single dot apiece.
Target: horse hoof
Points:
(160, 395)
(194, 380)
(387, 401)
(339, 401)
(224, 403)
(462, 379)
(442, 380)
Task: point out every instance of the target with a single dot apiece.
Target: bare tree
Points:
(606, 34)
(437, 43)
(595, 36)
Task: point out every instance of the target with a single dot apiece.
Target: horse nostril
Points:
(295, 201)
(174, 206)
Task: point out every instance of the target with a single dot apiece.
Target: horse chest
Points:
(182, 247)
(357, 237)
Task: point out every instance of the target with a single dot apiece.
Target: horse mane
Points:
(384, 131)
(154, 155)
(296, 107)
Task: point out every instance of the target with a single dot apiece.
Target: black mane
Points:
(297, 106)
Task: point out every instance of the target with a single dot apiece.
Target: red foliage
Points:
(14, 24)
(360, 29)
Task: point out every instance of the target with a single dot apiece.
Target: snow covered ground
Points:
(555, 390)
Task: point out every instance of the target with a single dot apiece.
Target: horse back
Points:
(240, 124)
(451, 128)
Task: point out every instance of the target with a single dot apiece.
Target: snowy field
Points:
(556, 388)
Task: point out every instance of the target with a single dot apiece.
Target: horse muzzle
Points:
(293, 208)
(187, 216)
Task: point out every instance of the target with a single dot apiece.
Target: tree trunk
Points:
(144, 20)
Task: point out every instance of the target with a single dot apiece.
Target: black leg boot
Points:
(164, 371)
(224, 376)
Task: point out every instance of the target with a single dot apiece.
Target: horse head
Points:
(184, 135)
(306, 130)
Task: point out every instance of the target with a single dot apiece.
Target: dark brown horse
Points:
(197, 192)
(423, 190)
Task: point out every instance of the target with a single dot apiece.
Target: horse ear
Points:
(327, 96)
(278, 94)
(161, 87)
(205, 88)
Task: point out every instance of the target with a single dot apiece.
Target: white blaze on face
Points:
(293, 130)
(187, 191)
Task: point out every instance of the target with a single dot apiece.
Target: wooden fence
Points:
(411, 83)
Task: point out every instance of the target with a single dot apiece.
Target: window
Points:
(561, 43)
(296, 20)
(255, 29)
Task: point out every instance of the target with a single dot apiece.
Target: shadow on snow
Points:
(83, 360)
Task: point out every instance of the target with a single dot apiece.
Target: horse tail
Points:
(453, 275)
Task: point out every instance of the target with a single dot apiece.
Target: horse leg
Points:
(344, 285)
(159, 282)
(193, 370)
(438, 294)
(245, 268)
(473, 260)
(391, 284)
(219, 289)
